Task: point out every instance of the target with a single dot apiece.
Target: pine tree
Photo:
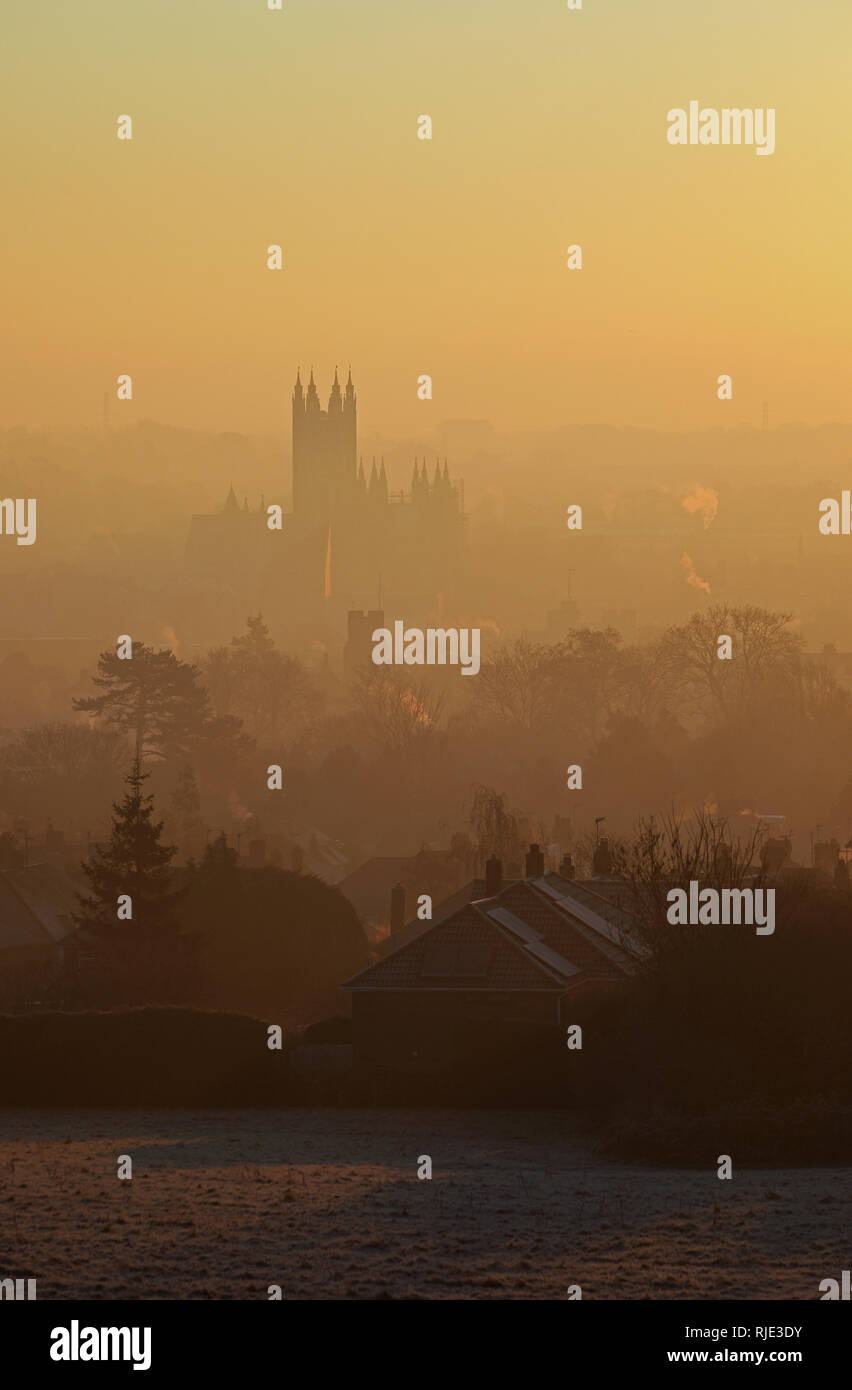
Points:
(154, 696)
(133, 863)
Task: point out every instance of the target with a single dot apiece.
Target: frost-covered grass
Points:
(327, 1204)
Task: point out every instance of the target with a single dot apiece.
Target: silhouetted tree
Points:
(153, 696)
(61, 770)
(403, 715)
(672, 851)
(146, 958)
(497, 830)
(133, 863)
(516, 683)
(590, 680)
(766, 657)
(251, 680)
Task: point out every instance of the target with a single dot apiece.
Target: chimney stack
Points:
(493, 876)
(566, 868)
(535, 862)
(397, 912)
(602, 861)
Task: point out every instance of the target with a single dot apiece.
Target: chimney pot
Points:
(566, 868)
(602, 860)
(493, 876)
(535, 862)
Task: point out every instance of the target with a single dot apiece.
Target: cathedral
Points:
(350, 536)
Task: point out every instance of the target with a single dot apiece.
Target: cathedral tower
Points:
(324, 451)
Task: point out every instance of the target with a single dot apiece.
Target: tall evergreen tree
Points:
(133, 863)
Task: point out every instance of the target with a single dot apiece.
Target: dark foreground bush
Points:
(329, 1030)
(168, 1056)
(731, 1043)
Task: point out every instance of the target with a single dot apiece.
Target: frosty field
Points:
(327, 1204)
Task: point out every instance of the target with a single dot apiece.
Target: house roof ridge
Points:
(493, 926)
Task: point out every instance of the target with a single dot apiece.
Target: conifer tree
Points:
(134, 863)
(155, 697)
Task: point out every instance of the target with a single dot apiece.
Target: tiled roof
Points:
(416, 965)
(610, 920)
(468, 893)
(611, 897)
(521, 939)
(559, 931)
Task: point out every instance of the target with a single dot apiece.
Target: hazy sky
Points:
(404, 256)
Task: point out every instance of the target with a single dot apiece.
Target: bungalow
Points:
(508, 972)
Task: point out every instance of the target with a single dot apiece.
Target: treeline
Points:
(388, 761)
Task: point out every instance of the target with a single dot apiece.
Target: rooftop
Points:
(534, 935)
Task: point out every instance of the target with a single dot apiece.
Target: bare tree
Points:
(404, 716)
(589, 681)
(765, 656)
(517, 683)
(497, 830)
(671, 851)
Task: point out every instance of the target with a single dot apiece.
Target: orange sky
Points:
(406, 256)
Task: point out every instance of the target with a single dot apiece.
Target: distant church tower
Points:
(324, 451)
